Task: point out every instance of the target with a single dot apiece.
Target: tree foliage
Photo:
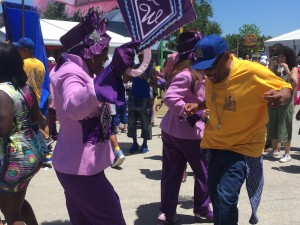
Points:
(56, 11)
(213, 28)
(249, 29)
(203, 23)
(237, 44)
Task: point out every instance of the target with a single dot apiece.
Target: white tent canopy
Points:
(291, 39)
(52, 30)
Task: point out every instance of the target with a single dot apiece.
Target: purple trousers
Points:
(91, 200)
(176, 153)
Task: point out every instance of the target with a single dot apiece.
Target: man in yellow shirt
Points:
(33, 67)
(237, 95)
(35, 71)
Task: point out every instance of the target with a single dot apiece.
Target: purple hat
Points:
(207, 50)
(186, 43)
(88, 38)
(25, 43)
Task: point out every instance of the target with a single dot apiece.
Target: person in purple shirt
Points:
(83, 150)
(181, 136)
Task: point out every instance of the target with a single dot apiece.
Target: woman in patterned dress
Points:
(20, 151)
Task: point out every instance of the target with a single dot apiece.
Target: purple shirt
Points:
(178, 94)
(75, 100)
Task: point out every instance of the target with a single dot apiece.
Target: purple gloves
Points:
(108, 84)
(123, 58)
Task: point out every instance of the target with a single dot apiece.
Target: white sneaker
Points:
(271, 154)
(285, 158)
(119, 159)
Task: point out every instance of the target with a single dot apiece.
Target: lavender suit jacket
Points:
(178, 94)
(76, 101)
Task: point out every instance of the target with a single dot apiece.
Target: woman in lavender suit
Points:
(181, 136)
(83, 149)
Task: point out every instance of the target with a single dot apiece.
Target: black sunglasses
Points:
(215, 62)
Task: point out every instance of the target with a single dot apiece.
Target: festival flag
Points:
(12, 13)
(152, 20)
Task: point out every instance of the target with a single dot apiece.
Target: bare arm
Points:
(6, 115)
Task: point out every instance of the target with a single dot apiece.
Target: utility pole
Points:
(23, 18)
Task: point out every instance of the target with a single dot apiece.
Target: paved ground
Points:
(138, 186)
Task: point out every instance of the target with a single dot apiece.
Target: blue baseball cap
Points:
(25, 43)
(207, 50)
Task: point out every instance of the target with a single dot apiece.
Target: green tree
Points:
(204, 13)
(249, 29)
(234, 42)
(55, 11)
(213, 28)
(203, 23)
(254, 50)
(237, 44)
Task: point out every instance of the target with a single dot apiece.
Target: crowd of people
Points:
(208, 91)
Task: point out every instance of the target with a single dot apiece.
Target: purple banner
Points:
(152, 20)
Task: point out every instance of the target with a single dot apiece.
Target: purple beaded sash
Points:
(97, 129)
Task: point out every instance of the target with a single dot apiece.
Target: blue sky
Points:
(273, 18)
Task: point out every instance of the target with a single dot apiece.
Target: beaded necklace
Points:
(213, 100)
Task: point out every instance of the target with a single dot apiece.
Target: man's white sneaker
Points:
(285, 158)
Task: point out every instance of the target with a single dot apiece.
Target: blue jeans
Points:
(121, 114)
(226, 174)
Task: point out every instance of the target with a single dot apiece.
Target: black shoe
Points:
(54, 137)
(209, 218)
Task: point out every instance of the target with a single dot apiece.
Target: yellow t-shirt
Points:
(35, 71)
(244, 117)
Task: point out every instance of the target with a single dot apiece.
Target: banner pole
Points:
(23, 18)
(161, 54)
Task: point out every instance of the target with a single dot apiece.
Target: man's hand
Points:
(277, 98)
(274, 98)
